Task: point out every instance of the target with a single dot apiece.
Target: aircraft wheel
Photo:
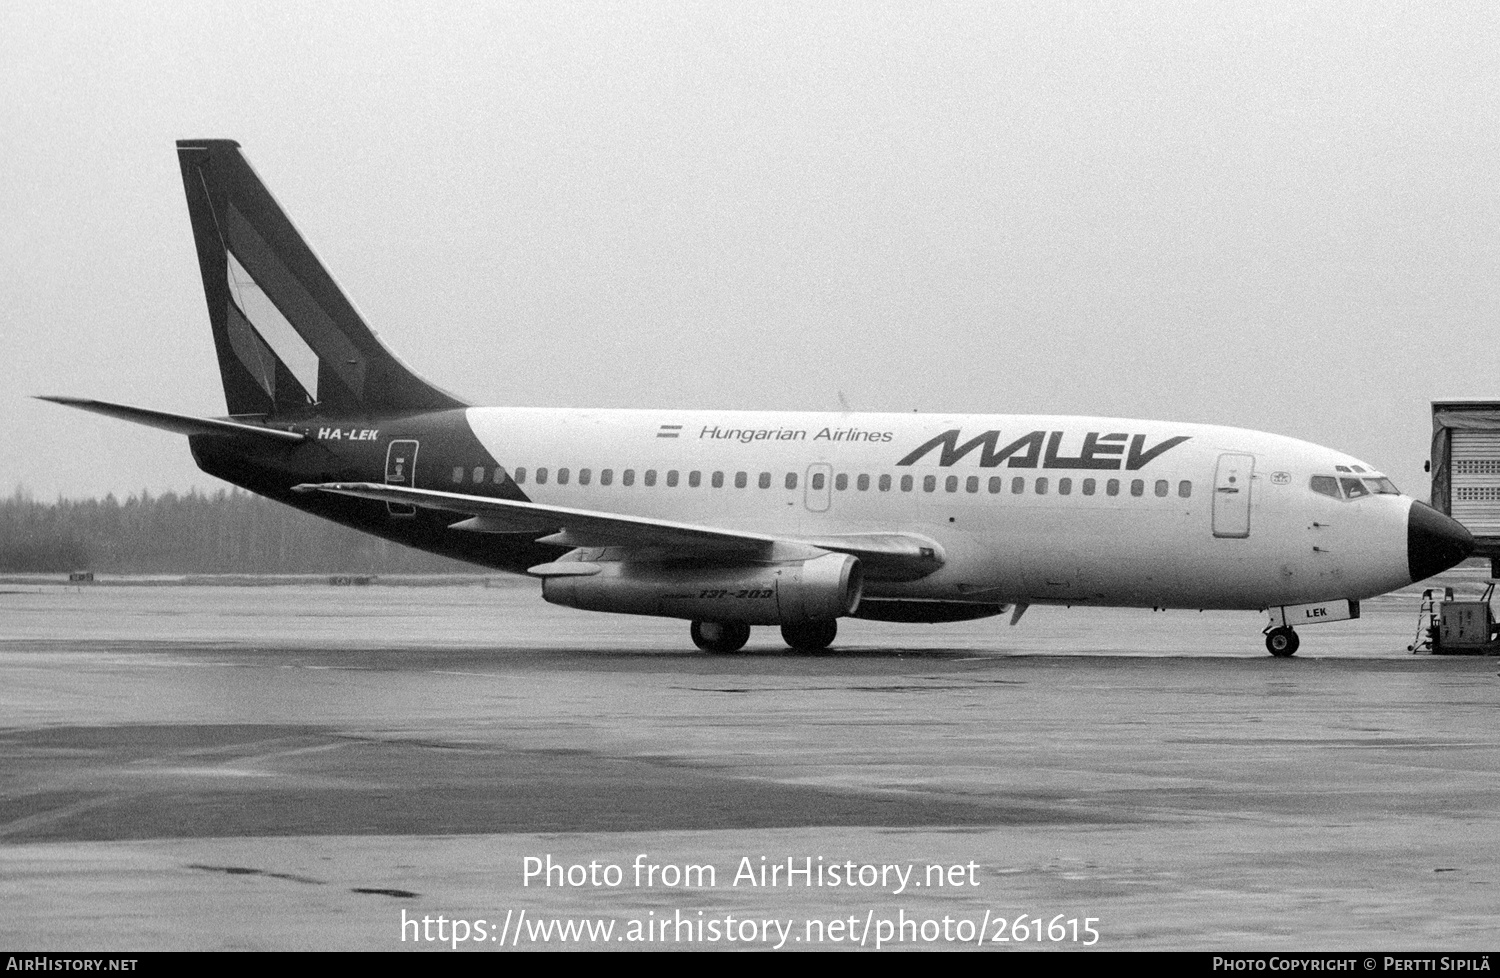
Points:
(720, 636)
(812, 636)
(1282, 642)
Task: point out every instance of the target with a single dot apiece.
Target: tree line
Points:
(226, 532)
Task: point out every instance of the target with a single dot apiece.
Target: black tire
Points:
(1282, 642)
(720, 636)
(812, 636)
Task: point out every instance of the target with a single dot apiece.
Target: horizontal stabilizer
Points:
(888, 556)
(182, 424)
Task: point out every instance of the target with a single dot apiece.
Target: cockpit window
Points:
(1325, 484)
(1347, 487)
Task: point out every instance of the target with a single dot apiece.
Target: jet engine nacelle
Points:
(792, 593)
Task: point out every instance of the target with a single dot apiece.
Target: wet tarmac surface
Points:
(296, 766)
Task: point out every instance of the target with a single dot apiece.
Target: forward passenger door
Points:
(1232, 495)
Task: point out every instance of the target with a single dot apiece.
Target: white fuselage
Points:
(1022, 505)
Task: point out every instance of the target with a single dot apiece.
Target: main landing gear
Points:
(731, 636)
(1282, 642)
(720, 636)
(812, 636)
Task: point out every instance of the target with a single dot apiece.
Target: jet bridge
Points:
(1465, 467)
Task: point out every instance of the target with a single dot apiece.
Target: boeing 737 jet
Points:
(733, 519)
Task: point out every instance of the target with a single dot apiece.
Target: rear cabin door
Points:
(1232, 495)
(401, 470)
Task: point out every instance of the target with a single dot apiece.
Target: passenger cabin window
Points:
(929, 483)
(584, 475)
(741, 480)
(695, 478)
(650, 479)
(971, 484)
(862, 483)
(841, 482)
(764, 481)
(607, 477)
(791, 480)
(1017, 486)
(672, 478)
(906, 483)
(541, 476)
(1041, 486)
(817, 481)
(1064, 486)
(1137, 487)
(520, 475)
(996, 484)
(458, 474)
(951, 483)
(716, 480)
(1162, 487)
(478, 474)
(1088, 486)
(1184, 488)
(885, 483)
(628, 478)
(1112, 487)
(562, 477)
(499, 474)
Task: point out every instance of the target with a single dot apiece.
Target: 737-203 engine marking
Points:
(747, 593)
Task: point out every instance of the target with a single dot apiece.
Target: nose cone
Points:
(1434, 542)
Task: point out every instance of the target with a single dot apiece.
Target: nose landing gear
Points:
(1282, 642)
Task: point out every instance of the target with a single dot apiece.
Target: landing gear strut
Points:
(812, 636)
(1282, 642)
(720, 636)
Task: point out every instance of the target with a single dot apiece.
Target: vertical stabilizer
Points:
(289, 342)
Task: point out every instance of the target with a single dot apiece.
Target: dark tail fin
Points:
(288, 340)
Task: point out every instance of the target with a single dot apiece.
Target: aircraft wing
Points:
(886, 556)
(182, 424)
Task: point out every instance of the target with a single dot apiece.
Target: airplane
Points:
(733, 519)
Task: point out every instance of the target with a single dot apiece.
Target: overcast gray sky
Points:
(1281, 216)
